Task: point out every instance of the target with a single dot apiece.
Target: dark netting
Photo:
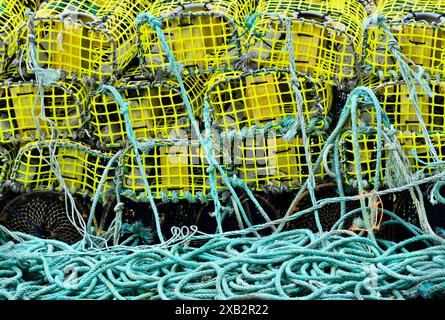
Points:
(42, 214)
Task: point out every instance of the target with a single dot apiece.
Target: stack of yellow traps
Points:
(326, 36)
(201, 34)
(94, 39)
(80, 167)
(419, 27)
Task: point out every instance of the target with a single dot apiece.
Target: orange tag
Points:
(376, 210)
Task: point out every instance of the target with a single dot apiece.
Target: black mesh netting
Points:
(42, 214)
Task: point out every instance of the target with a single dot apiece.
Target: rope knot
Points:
(147, 17)
(124, 108)
(376, 20)
(138, 229)
(119, 207)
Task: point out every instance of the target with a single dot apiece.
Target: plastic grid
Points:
(416, 141)
(255, 98)
(12, 17)
(326, 36)
(270, 161)
(64, 106)
(171, 168)
(156, 110)
(419, 27)
(84, 38)
(201, 34)
(398, 9)
(81, 167)
(368, 154)
(394, 99)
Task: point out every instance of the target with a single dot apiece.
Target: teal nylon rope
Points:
(157, 26)
(115, 95)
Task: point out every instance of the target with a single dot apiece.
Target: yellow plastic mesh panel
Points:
(64, 107)
(416, 142)
(398, 9)
(368, 153)
(170, 169)
(348, 13)
(80, 166)
(256, 98)
(394, 99)
(267, 161)
(370, 81)
(195, 85)
(421, 36)
(11, 18)
(201, 34)
(91, 38)
(326, 36)
(368, 156)
(155, 108)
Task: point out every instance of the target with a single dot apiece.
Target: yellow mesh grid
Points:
(368, 153)
(12, 18)
(64, 107)
(265, 161)
(170, 168)
(421, 36)
(201, 34)
(370, 81)
(394, 99)
(398, 9)
(156, 111)
(195, 84)
(80, 166)
(255, 98)
(91, 38)
(417, 142)
(326, 36)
